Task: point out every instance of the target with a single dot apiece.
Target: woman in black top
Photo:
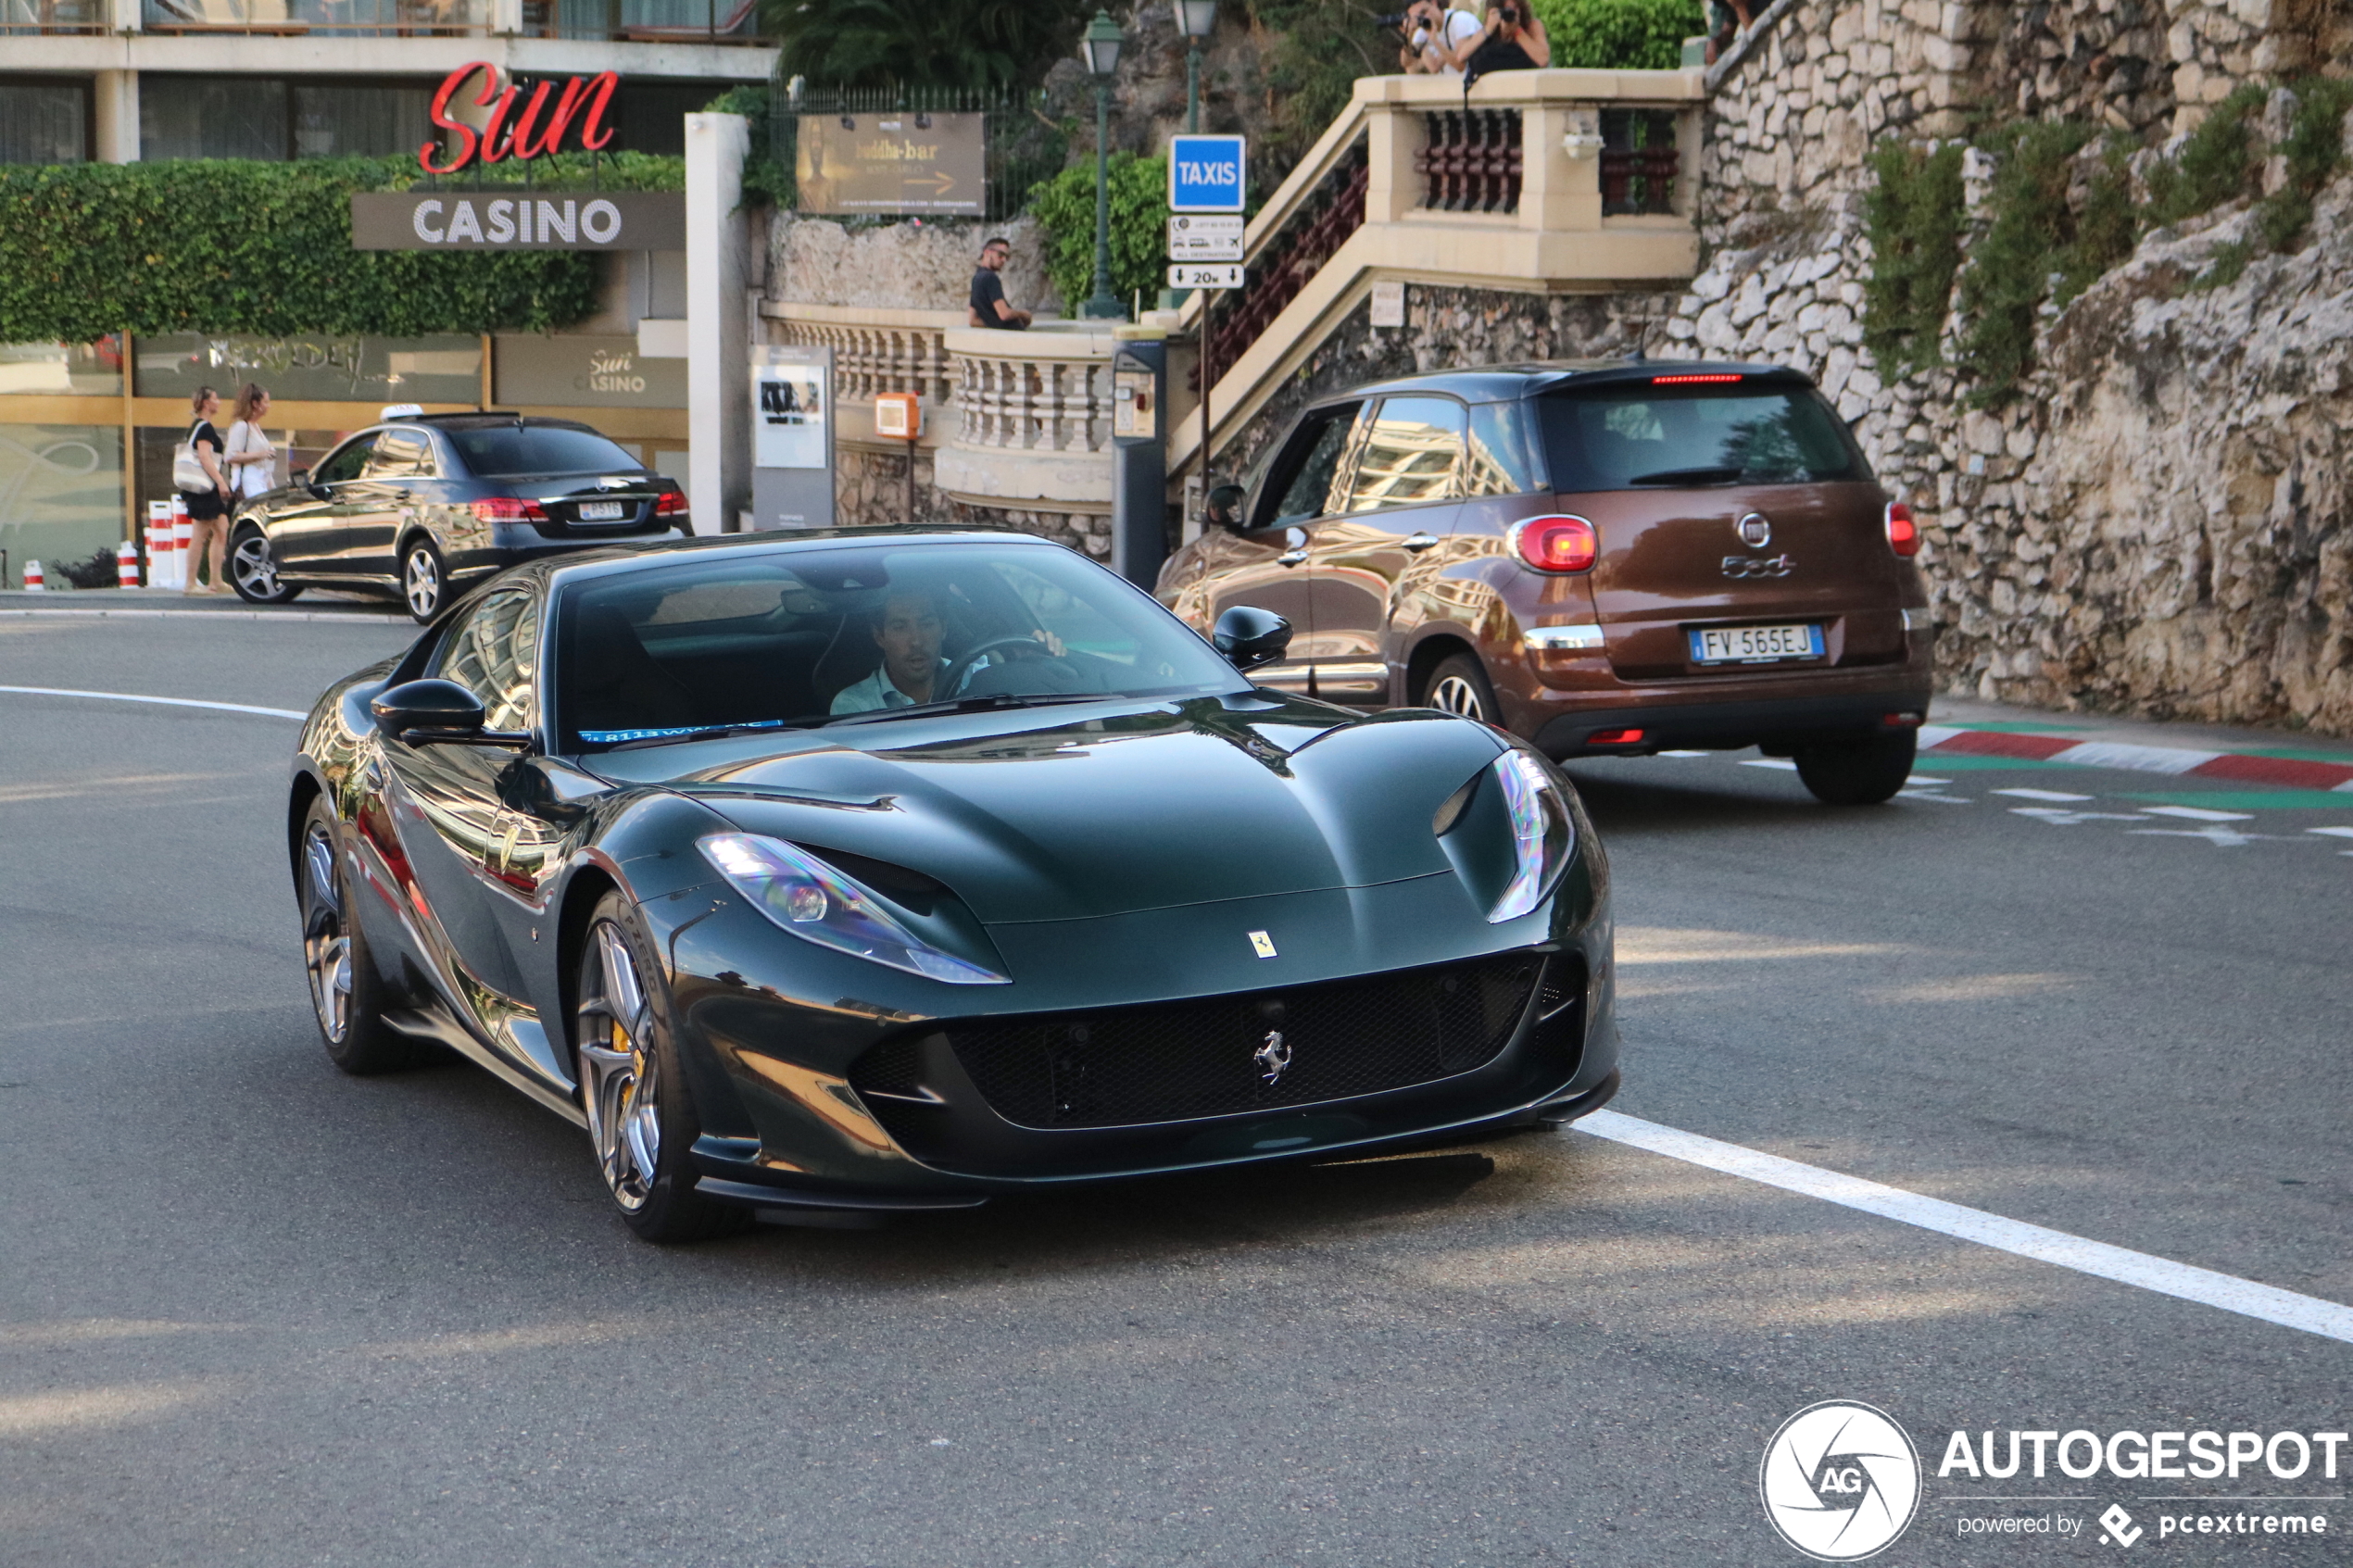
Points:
(207, 509)
(1512, 40)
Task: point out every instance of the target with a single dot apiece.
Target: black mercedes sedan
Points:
(897, 869)
(424, 504)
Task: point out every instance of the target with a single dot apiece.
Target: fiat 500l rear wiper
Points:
(1716, 475)
(972, 705)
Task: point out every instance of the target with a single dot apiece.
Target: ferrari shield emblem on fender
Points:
(1273, 1058)
(1262, 944)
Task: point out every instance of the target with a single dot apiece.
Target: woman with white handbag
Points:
(253, 462)
(195, 473)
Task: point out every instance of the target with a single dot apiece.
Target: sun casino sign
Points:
(486, 119)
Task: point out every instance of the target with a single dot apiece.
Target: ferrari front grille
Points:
(1232, 1055)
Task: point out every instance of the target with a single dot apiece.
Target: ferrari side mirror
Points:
(423, 711)
(1249, 636)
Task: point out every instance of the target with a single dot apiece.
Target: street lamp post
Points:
(1101, 46)
(1199, 18)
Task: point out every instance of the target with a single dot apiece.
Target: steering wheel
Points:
(953, 682)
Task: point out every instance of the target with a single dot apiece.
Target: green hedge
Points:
(217, 246)
(1065, 209)
(1620, 34)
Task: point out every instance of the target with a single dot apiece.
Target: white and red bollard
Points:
(183, 531)
(126, 565)
(34, 583)
(158, 544)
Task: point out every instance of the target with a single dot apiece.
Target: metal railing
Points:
(1470, 160)
(1284, 264)
(682, 22)
(1023, 147)
(35, 17)
(361, 18)
(1640, 162)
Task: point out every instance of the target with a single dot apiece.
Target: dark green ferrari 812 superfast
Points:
(896, 868)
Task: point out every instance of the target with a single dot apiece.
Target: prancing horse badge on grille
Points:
(1262, 944)
(1273, 1058)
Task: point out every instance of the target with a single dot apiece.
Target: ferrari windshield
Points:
(859, 632)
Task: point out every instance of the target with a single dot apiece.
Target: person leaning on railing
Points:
(1512, 39)
(1438, 40)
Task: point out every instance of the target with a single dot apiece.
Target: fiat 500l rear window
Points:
(1637, 435)
(529, 451)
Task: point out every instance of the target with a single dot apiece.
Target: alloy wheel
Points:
(326, 945)
(421, 582)
(621, 1075)
(252, 569)
(1455, 694)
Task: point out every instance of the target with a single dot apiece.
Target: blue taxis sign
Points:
(1206, 173)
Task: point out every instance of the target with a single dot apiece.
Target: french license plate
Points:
(1754, 645)
(602, 512)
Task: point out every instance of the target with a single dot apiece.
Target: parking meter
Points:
(1140, 459)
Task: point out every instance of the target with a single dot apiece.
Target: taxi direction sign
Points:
(1202, 238)
(1206, 275)
(1206, 173)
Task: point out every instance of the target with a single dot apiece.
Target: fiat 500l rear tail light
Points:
(670, 503)
(1903, 533)
(1556, 543)
(508, 509)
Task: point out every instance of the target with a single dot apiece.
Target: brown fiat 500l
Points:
(1609, 559)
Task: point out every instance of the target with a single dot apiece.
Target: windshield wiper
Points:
(973, 705)
(1716, 475)
(704, 731)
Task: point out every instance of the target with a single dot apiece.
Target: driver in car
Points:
(908, 630)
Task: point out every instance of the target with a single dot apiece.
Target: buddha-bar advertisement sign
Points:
(900, 162)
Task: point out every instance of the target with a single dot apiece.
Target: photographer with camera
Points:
(1436, 39)
(1513, 39)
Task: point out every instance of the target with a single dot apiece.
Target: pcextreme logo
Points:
(1840, 1481)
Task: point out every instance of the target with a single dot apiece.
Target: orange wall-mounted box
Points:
(898, 415)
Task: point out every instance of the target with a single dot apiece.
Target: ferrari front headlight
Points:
(817, 903)
(1543, 833)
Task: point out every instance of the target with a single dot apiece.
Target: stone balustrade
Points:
(1032, 418)
(874, 349)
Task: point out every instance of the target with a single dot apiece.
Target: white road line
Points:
(167, 701)
(2163, 1275)
(2199, 813)
(2333, 832)
(351, 618)
(2042, 795)
(1771, 763)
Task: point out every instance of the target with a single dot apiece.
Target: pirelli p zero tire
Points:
(1459, 685)
(347, 999)
(1857, 772)
(641, 1118)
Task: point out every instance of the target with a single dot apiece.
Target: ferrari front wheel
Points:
(641, 1119)
(347, 997)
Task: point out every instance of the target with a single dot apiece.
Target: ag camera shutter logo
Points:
(1840, 1481)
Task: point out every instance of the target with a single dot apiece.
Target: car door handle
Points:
(1291, 557)
(1418, 542)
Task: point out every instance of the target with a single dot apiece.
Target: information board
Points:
(924, 165)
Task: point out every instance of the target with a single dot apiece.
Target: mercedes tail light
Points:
(1556, 543)
(508, 509)
(1903, 533)
(670, 503)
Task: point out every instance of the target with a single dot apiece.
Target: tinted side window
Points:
(1412, 455)
(513, 451)
(1300, 485)
(400, 454)
(1501, 458)
(343, 464)
(493, 653)
(1626, 437)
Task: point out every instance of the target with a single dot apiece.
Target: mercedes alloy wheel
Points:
(254, 573)
(420, 582)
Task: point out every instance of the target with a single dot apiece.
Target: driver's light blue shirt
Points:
(877, 690)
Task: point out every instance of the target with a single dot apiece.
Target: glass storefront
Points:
(323, 368)
(67, 369)
(44, 122)
(61, 492)
(271, 120)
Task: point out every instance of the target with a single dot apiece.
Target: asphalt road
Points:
(253, 1311)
